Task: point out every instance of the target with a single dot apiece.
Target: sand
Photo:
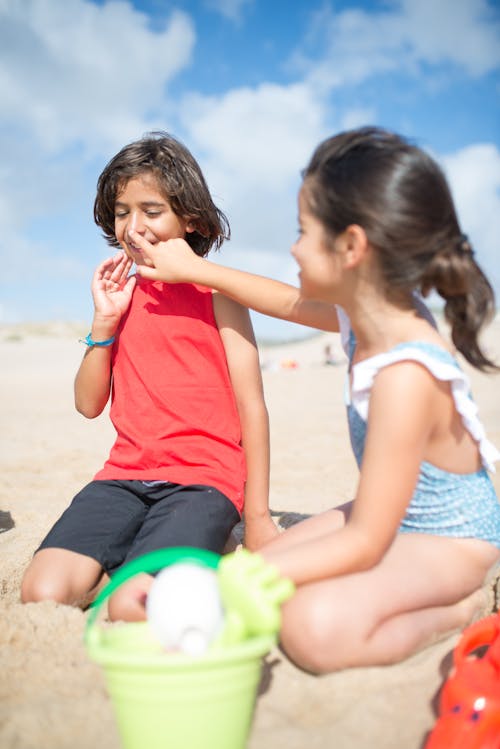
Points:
(51, 695)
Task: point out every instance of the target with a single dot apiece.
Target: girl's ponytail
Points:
(469, 297)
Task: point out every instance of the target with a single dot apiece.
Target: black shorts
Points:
(116, 521)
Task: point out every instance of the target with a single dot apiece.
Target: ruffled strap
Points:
(443, 367)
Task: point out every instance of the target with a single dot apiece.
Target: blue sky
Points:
(251, 87)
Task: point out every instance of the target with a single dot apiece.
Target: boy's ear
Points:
(355, 245)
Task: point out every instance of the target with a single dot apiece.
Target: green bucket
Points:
(175, 701)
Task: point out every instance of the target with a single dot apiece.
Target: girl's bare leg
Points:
(423, 588)
(60, 575)
(311, 528)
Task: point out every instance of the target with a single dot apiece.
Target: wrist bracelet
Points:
(90, 342)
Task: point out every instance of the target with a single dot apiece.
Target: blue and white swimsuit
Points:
(443, 503)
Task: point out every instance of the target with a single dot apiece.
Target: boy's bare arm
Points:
(244, 368)
(93, 382)
(111, 291)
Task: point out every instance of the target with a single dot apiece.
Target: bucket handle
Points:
(149, 563)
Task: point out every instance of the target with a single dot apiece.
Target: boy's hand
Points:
(259, 531)
(172, 261)
(112, 289)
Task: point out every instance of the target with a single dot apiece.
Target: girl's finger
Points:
(147, 272)
(140, 241)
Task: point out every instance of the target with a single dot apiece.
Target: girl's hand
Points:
(172, 261)
(112, 288)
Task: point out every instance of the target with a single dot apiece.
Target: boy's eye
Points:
(122, 213)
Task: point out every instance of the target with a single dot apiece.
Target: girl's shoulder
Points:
(444, 367)
(440, 362)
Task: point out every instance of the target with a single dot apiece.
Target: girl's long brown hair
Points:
(399, 195)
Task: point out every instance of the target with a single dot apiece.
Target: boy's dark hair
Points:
(398, 194)
(180, 180)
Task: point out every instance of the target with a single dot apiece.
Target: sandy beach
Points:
(51, 695)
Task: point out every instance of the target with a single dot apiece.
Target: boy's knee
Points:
(35, 589)
(125, 610)
(116, 609)
(129, 603)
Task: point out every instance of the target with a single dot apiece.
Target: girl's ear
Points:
(190, 227)
(355, 245)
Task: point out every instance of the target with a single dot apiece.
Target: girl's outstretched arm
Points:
(175, 262)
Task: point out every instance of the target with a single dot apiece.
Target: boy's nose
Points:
(135, 223)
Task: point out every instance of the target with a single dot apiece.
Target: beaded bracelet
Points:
(90, 342)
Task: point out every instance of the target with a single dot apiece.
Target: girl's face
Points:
(141, 207)
(318, 262)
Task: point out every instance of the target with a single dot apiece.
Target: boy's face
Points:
(141, 207)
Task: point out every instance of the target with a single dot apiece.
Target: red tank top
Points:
(172, 402)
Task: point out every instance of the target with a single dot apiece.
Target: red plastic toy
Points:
(469, 708)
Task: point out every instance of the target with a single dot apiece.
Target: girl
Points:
(406, 560)
(182, 367)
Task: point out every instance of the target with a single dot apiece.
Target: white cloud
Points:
(231, 9)
(261, 136)
(464, 32)
(474, 176)
(356, 45)
(77, 81)
(264, 262)
(253, 144)
(75, 71)
(357, 118)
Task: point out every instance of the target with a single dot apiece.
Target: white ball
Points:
(184, 608)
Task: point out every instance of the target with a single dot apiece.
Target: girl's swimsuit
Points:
(444, 503)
